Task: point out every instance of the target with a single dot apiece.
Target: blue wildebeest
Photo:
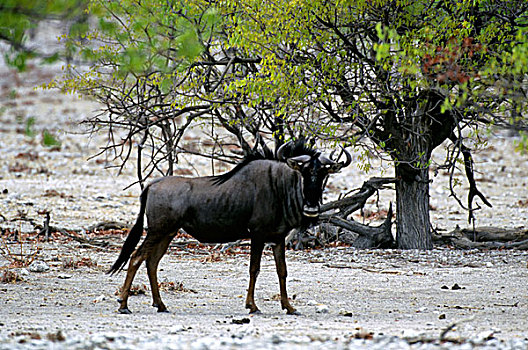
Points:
(259, 199)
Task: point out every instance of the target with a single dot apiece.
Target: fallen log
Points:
(494, 234)
(484, 238)
(334, 223)
(107, 225)
(368, 236)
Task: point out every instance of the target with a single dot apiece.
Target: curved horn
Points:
(348, 158)
(325, 160)
(280, 151)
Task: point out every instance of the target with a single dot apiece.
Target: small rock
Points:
(56, 337)
(275, 339)
(484, 336)
(240, 321)
(100, 298)
(177, 329)
(64, 276)
(411, 334)
(322, 309)
(245, 331)
(38, 266)
(472, 264)
(489, 264)
(456, 287)
(24, 272)
(346, 313)
(311, 303)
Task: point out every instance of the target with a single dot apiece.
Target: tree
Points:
(406, 75)
(398, 77)
(160, 69)
(138, 59)
(18, 19)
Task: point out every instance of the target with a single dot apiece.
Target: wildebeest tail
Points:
(133, 237)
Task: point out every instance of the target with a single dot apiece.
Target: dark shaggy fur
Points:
(297, 148)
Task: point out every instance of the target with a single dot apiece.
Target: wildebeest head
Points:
(314, 168)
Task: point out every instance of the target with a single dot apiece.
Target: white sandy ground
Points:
(340, 292)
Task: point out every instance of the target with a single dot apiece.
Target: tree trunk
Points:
(413, 229)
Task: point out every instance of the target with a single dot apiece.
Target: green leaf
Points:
(107, 27)
(52, 59)
(17, 60)
(30, 122)
(49, 140)
(190, 46)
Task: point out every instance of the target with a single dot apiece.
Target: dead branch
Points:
(335, 218)
(350, 204)
(107, 225)
(485, 238)
(90, 242)
(473, 190)
(46, 229)
(452, 326)
(369, 236)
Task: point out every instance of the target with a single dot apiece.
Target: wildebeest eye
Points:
(297, 163)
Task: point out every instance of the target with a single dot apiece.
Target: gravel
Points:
(170, 342)
(371, 299)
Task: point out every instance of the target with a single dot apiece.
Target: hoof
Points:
(255, 312)
(125, 311)
(164, 311)
(294, 313)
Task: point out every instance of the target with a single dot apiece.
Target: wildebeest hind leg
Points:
(135, 262)
(254, 268)
(153, 260)
(280, 263)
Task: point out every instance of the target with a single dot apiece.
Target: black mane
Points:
(220, 179)
(297, 148)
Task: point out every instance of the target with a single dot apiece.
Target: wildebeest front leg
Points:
(152, 270)
(135, 262)
(280, 262)
(254, 268)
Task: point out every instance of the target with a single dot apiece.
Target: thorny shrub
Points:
(175, 287)
(21, 252)
(140, 289)
(9, 276)
(136, 289)
(73, 263)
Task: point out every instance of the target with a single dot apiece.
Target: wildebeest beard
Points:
(308, 221)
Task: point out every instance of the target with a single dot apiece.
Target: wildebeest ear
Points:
(297, 163)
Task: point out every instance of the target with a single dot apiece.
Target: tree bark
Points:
(413, 229)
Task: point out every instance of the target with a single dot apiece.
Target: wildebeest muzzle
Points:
(311, 212)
